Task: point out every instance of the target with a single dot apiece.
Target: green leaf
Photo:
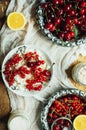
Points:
(75, 31)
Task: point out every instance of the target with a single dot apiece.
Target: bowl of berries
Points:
(26, 70)
(62, 108)
(63, 22)
(62, 123)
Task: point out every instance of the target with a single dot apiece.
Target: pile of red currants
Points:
(65, 19)
(30, 68)
(69, 106)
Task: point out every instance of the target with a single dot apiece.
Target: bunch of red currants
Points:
(30, 68)
(69, 105)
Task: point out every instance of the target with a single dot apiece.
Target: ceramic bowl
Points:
(49, 35)
(63, 123)
(45, 124)
(20, 88)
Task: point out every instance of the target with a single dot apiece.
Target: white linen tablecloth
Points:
(32, 36)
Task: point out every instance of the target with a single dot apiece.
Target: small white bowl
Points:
(18, 119)
(79, 73)
(56, 122)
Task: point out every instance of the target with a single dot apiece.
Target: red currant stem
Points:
(69, 114)
(46, 17)
(51, 66)
(83, 28)
(56, 112)
(77, 108)
(61, 105)
(72, 101)
(84, 104)
(76, 111)
(17, 82)
(65, 2)
(75, 6)
(71, 1)
(53, 10)
(57, 30)
(64, 16)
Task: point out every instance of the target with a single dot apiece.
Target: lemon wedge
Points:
(16, 21)
(79, 122)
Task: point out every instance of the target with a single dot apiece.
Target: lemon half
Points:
(16, 21)
(79, 122)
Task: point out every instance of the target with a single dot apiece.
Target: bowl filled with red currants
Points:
(62, 108)
(26, 70)
(63, 21)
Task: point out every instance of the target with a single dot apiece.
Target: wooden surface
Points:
(3, 6)
(4, 106)
(4, 101)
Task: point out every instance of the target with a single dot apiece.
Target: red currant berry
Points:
(57, 21)
(44, 5)
(46, 73)
(61, 2)
(56, 127)
(56, 2)
(67, 7)
(61, 35)
(83, 4)
(67, 36)
(68, 20)
(71, 12)
(48, 25)
(38, 88)
(59, 12)
(52, 29)
(72, 34)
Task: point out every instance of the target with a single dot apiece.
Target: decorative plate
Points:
(66, 64)
(51, 31)
(64, 103)
(26, 70)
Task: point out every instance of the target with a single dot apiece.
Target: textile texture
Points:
(31, 35)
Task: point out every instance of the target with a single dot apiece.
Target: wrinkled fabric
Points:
(31, 35)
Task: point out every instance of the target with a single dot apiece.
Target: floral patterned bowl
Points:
(55, 107)
(40, 18)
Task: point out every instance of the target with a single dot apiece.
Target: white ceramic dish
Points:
(21, 49)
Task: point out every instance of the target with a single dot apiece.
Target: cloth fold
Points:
(66, 60)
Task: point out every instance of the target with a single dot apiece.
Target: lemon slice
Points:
(16, 21)
(79, 122)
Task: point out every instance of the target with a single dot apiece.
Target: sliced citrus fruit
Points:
(79, 122)
(16, 21)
